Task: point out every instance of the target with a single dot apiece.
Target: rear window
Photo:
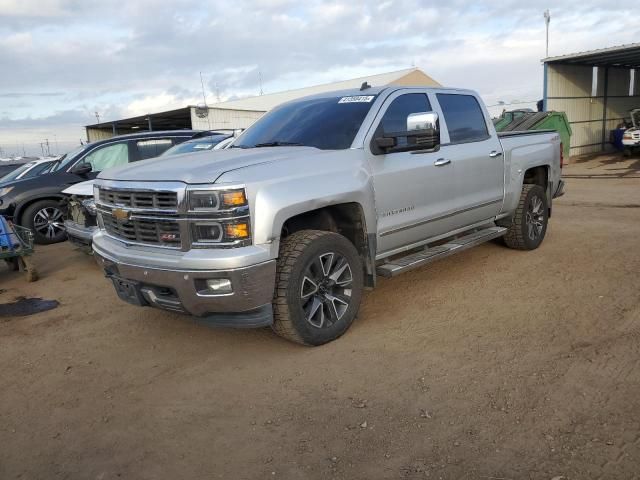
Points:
(464, 118)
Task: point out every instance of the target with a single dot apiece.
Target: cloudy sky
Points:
(63, 60)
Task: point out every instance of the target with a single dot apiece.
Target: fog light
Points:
(219, 285)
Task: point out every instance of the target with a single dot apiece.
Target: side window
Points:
(395, 118)
(464, 118)
(108, 156)
(152, 148)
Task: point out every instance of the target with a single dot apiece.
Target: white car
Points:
(631, 137)
(29, 170)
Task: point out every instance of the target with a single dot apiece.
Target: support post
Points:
(604, 107)
(150, 126)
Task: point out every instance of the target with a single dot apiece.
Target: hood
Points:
(203, 167)
(83, 189)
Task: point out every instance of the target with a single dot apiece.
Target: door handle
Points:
(495, 154)
(441, 162)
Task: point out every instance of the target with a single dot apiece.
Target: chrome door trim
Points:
(439, 217)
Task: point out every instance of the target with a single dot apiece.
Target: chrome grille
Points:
(139, 199)
(149, 231)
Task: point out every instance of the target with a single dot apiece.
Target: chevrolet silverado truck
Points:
(317, 199)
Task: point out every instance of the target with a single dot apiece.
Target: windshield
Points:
(324, 123)
(67, 158)
(202, 144)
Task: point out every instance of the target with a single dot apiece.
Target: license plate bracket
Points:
(128, 290)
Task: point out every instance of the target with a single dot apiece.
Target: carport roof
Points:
(627, 56)
(171, 120)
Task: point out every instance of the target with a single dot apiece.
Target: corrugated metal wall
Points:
(568, 89)
(220, 118)
(95, 134)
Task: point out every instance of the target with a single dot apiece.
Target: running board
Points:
(428, 255)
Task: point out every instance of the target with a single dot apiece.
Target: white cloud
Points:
(130, 58)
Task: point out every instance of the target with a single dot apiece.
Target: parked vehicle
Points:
(631, 137)
(35, 202)
(200, 144)
(29, 170)
(9, 165)
(80, 220)
(288, 226)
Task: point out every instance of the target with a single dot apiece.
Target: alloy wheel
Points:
(325, 292)
(49, 222)
(534, 218)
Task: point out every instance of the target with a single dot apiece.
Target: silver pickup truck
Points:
(319, 197)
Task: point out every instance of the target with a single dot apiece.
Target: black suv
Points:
(35, 203)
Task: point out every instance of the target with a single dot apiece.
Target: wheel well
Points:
(20, 210)
(348, 220)
(537, 176)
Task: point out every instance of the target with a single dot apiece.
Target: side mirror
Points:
(422, 133)
(81, 169)
(385, 143)
(422, 121)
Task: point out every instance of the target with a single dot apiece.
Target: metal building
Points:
(241, 113)
(596, 89)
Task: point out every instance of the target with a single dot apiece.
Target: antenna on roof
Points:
(202, 84)
(364, 86)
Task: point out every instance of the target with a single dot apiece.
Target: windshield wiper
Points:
(278, 144)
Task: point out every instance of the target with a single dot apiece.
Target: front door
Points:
(412, 189)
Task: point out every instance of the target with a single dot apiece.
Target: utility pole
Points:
(97, 116)
(260, 80)
(547, 20)
(42, 148)
(48, 150)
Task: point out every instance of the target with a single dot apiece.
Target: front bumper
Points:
(180, 290)
(79, 233)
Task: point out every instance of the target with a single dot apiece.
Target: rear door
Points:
(476, 156)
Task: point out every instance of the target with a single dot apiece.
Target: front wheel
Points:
(46, 220)
(530, 220)
(319, 284)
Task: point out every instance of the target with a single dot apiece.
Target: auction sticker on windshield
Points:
(357, 99)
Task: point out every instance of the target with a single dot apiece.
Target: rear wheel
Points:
(319, 284)
(46, 220)
(530, 220)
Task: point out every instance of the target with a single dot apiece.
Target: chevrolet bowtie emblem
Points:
(120, 214)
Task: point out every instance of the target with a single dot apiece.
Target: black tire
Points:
(530, 220)
(35, 219)
(309, 299)
(627, 152)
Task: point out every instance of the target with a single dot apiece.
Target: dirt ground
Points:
(491, 364)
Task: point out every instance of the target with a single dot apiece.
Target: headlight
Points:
(5, 190)
(209, 233)
(216, 200)
(90, 205)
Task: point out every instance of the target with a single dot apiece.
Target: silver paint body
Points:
(408, 199)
